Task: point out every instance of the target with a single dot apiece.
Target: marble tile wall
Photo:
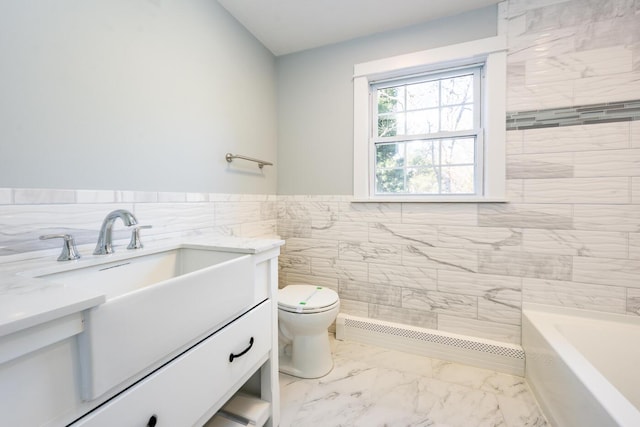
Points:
(25, 214)
(570, 234)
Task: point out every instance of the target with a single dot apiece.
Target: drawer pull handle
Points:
(152, 421)
(234, 356)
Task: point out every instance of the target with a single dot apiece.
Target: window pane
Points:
(391, 99)
(458, 180)
(423, 95)
(422, 122)
(390, 181)
(389, 156)
(458, 90)
(387, 125)
(457, 118)
(458, 151)
(423, 153)
(422, 180)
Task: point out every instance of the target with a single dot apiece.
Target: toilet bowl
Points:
(305, 312)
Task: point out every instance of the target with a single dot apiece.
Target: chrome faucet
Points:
(104, 238)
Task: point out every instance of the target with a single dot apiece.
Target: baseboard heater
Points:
(483, 353)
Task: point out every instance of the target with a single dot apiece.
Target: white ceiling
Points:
(286, 26)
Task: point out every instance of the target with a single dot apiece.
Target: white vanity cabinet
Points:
(190, 389)
(41, 373)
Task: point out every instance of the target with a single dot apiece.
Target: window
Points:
(430, 126)
(428, 137)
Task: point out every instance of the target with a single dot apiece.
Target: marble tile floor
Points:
(375, 387)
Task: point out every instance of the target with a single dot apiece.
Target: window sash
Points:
(477, 132)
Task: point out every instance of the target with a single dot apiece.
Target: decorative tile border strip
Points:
(572, 116)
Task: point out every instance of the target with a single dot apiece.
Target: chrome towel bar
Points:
(229, 157)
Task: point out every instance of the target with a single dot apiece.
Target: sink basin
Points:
(122, 277)
(157, 305)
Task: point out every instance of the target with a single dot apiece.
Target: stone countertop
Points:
(26, 301)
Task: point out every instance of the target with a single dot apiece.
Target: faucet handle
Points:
(69, 250)
(135, 242)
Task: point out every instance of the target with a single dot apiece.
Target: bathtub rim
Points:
(544, 318)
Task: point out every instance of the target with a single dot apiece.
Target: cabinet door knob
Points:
(152, 421)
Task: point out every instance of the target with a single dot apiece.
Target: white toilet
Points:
(305, 312)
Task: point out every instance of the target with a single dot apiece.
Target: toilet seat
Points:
(306, 299)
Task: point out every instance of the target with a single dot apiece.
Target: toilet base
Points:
(286, 367)
(306, 357)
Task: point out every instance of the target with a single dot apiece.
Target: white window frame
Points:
(491, 52)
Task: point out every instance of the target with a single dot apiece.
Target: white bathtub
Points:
(583, 366)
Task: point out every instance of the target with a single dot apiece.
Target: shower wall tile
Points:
(340, 269)
(525, 264)
(575, 242)
(635, 134)
(492, 287)
(479, 237)
(440, 302)
(548, 165)
(168, 217)
(607, 163)
(341, 230)
(403, 233)
(518, 7)
(578, 190)
(633, 301)
(95, 196)
(514, 142)
(406, 277)
(288, 228)
(493, 310)
(603, 136)
(573, 294)
(300, 278)
(294, 263)
(609, 88)
(374, 294)
(260, 229)
(227, 213)
(539, 97)
(311, 247)
(169, 197)
(525, 216)
(406, 316)
(370, 212)
(440, 258)
(606, 217)
(354, 308)
(607, 271)
(370, 252)
(197, 197)
(21, 225)
(479, 328)
(634, 246)
(515, 190)
(536, 45)
(635, 190)
(37, 196)
(575, 65)
(440, 213)
(136, 197)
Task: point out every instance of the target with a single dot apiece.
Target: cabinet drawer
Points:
(183, 391)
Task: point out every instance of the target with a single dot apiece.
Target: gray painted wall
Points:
(315, 99)
(133, 95)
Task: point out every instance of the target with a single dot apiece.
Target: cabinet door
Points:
(198, 381)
